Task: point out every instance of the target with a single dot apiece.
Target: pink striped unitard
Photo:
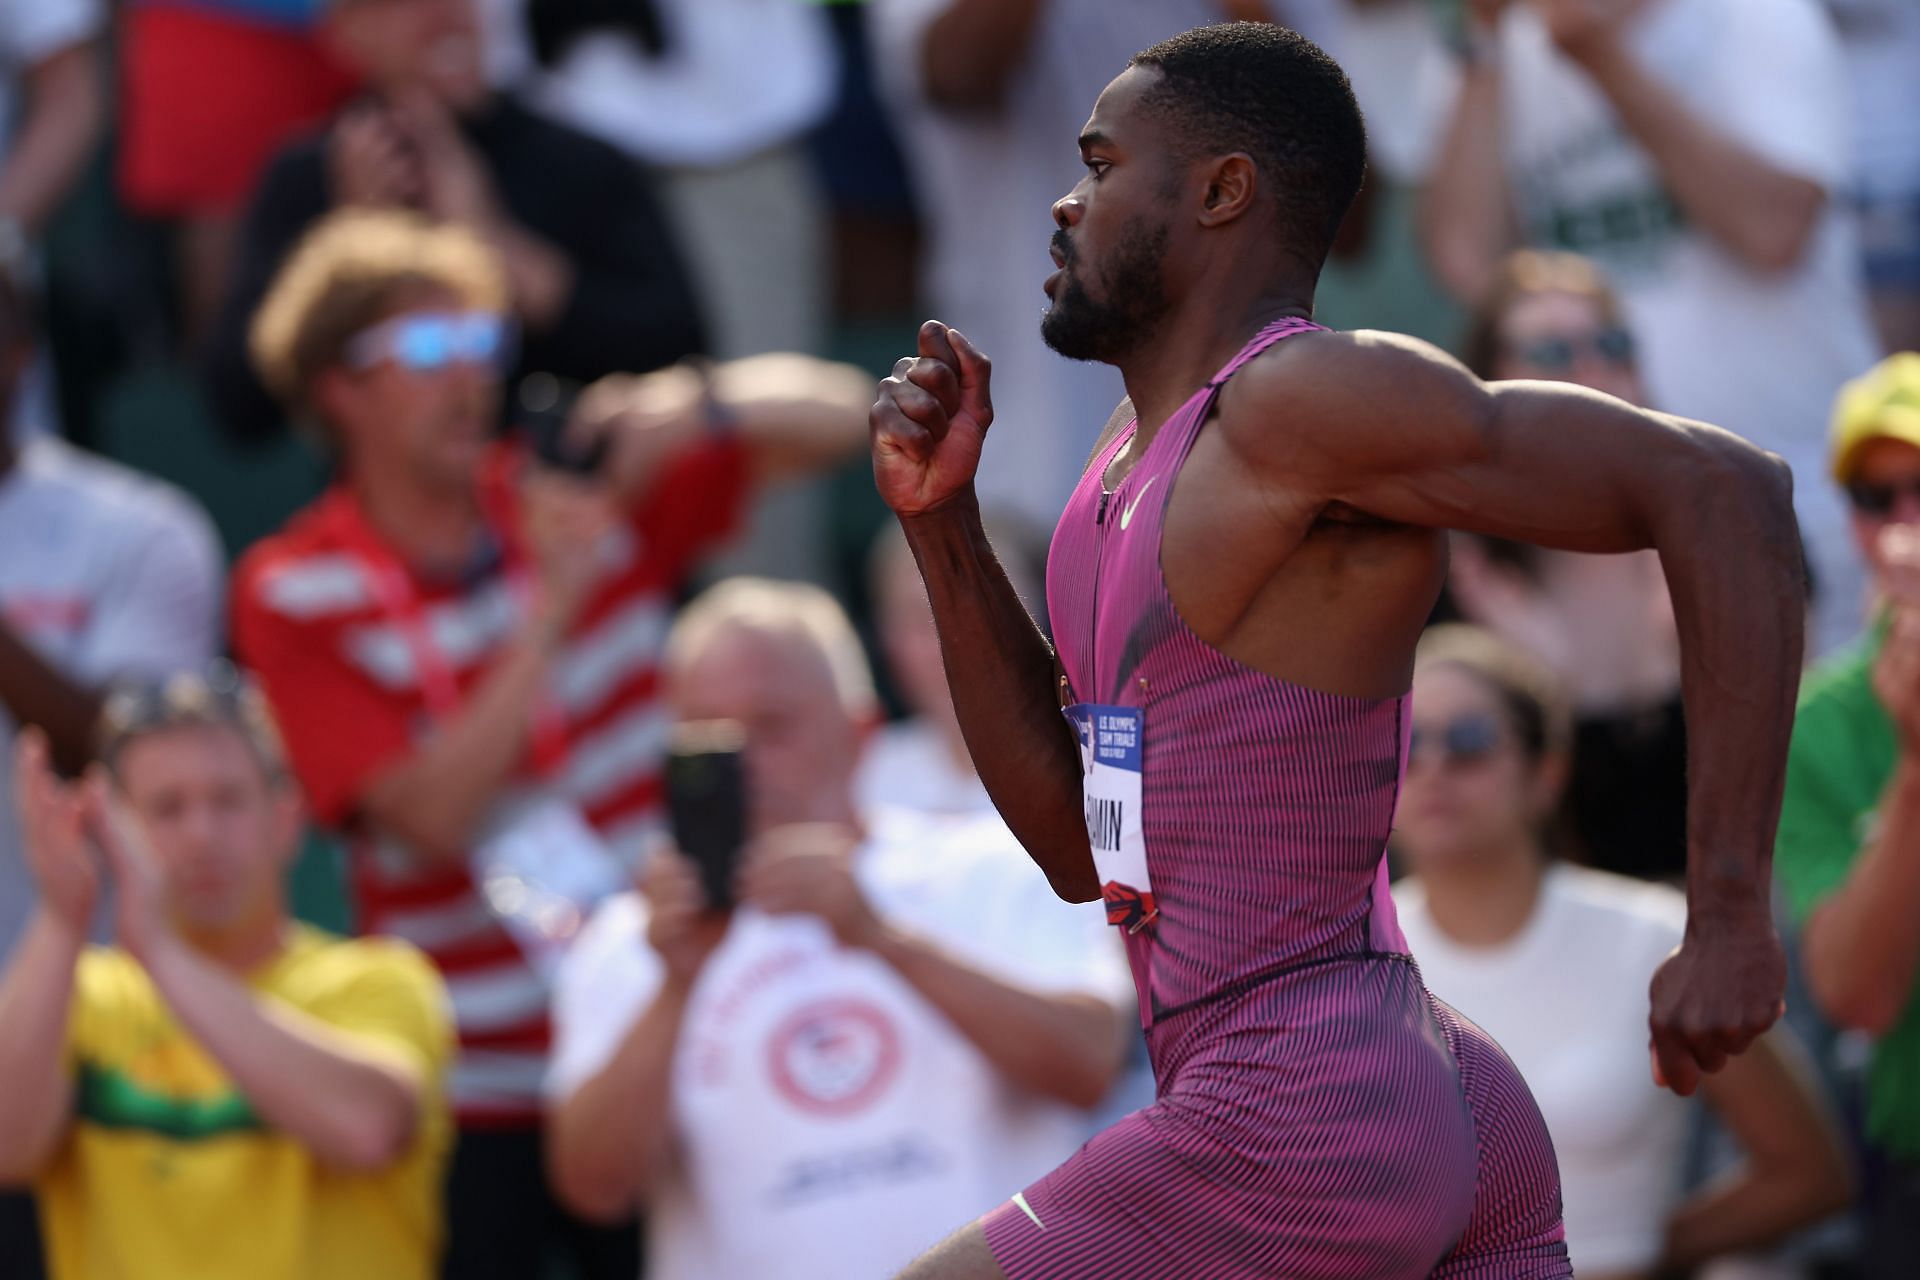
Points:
(1319, 1114)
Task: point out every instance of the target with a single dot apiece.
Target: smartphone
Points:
(544, 406)
(707, 802)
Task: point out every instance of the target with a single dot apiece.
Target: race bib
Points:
(1110, 745)
(541, 870)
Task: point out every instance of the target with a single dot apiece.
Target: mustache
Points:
(1063, 246)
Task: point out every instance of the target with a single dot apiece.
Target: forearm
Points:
(1000, 669)
(1760, 213)
(435, 800)
(1862, 951)
(1465, 216)
(1063, 1047)
(37, 693)
(795, 414)
(36, 996)
(62, 125)
(352, 1106)
(605, 1139)
(1723, 523)
(972, 47)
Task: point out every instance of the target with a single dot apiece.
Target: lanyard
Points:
(394, 590)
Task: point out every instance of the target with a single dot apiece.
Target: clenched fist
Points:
(930, 422)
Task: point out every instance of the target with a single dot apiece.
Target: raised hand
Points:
(567, 520)
(53, 828)
(681, 927)
(807, 869)
(930, 422)
(1714, 996)
(141, 911)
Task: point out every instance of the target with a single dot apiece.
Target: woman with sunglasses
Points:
(1553, 960)
(1603, 624)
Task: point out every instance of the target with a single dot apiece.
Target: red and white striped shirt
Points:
(345, 679)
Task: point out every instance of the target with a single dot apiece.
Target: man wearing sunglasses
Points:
(1849, 843)
(462, 644)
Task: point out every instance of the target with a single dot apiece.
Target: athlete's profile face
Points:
(1472, 792)
(1113, 230)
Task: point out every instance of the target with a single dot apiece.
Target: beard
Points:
(1082, 327)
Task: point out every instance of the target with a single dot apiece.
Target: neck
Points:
(244, 947)
(1197, 339)
(426, 526)
(1485, 902)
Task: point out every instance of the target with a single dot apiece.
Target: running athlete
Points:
(1236, 588)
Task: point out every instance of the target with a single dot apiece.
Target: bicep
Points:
(1392, 427)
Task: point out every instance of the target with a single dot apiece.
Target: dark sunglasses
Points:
(1558, 355)
(1878, 500)
(1467, 740)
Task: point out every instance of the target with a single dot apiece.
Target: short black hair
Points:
(1276, 95)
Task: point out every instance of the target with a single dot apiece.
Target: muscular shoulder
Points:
(1321, 407)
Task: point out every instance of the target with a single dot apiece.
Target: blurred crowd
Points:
(426, 418)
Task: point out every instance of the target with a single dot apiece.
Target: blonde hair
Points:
(222, 698)
(350, 271)
(1531, 695)
(782, 610)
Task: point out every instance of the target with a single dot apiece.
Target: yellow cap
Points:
(1881, 404)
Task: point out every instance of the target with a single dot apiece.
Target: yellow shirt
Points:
(167, 1172)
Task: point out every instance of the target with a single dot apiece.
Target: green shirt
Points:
(1843, 754)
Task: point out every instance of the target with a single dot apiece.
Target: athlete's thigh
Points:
(964, 1255)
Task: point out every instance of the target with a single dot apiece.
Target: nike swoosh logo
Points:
(1126, 515)
(1020, 1198)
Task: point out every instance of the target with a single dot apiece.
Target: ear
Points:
(1550, 783)
(334, 393)
(289, 822)
(1233, 183)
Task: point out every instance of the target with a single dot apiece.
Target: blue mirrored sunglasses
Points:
(1463, 741)
(424, 342)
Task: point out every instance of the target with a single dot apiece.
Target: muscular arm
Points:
(1405, 434)
(36, 995)
(1067, 1047)
(1760, 213)
(1005, 691)
(350, 1104)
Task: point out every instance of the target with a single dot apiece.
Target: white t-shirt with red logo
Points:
(828, 1121)
(108, 575)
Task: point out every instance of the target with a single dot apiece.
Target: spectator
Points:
(1555, 960)
(1882, 43)
(50, 64)
(922, 762)
(982, 91)
(1849, 842)
(211, 89)
(463, 645)
(226, 1093)
(1603, 624)
(1697, 150)
(595, 284)
(107, 576)
(52, 104)
(893, 1027)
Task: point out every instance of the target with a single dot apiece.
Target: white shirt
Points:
(1762, 354)
(108, 575)
(1567, 999)
(907, 766)
(738, 77)
(1882, 43)
(987, 181)
(32, 31)
(830, 1123)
